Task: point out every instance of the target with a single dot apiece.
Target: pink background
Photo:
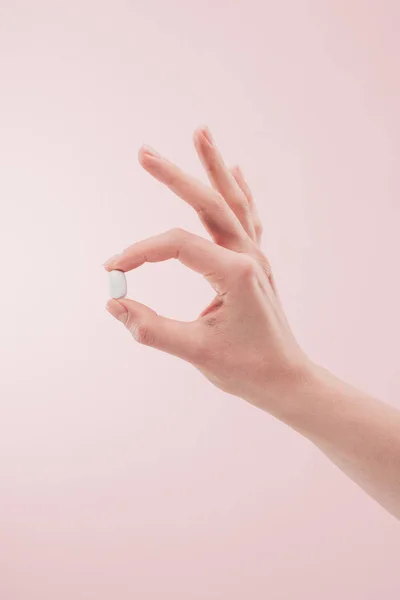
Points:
(123, 473)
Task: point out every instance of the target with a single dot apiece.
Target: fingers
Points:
(242, 183)
(212, 261)
(222, 179)
(224, 227)
(151, 329)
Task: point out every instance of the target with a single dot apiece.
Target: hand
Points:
(242, 341)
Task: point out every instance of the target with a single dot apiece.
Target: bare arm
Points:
(242, 341)
(359, 433)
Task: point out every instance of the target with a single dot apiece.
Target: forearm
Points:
(360, 434)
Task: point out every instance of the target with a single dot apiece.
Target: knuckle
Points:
(176, 231)
(246, 268)
(212, 167)
(142, 334)
(179, 234)
(241, 209)
(212, 202)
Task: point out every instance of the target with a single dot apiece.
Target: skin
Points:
(242, 341)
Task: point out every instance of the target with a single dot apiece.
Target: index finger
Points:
(203, 256)
(219, 220)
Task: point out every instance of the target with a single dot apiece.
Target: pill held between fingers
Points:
(117, 284)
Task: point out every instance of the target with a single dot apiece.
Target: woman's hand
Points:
(242, 341)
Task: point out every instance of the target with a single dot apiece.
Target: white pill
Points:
(117, 283)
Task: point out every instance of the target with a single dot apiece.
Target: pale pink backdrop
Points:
(123, 473)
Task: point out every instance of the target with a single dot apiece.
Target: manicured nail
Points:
(207, 134)
(150, 151)
(117, 310)
(111, 260)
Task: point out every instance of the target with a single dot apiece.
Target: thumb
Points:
(150, 329)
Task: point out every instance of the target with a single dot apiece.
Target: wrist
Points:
(308, 401)
(302, 398)
(324, 408)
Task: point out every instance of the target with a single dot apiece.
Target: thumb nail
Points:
(117, 310)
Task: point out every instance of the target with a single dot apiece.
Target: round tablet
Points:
(117, 283)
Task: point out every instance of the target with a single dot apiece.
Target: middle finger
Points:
(222, 179)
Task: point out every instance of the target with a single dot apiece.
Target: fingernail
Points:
(117, 310)
(207, 134)
(111, 260)
(149, 150)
